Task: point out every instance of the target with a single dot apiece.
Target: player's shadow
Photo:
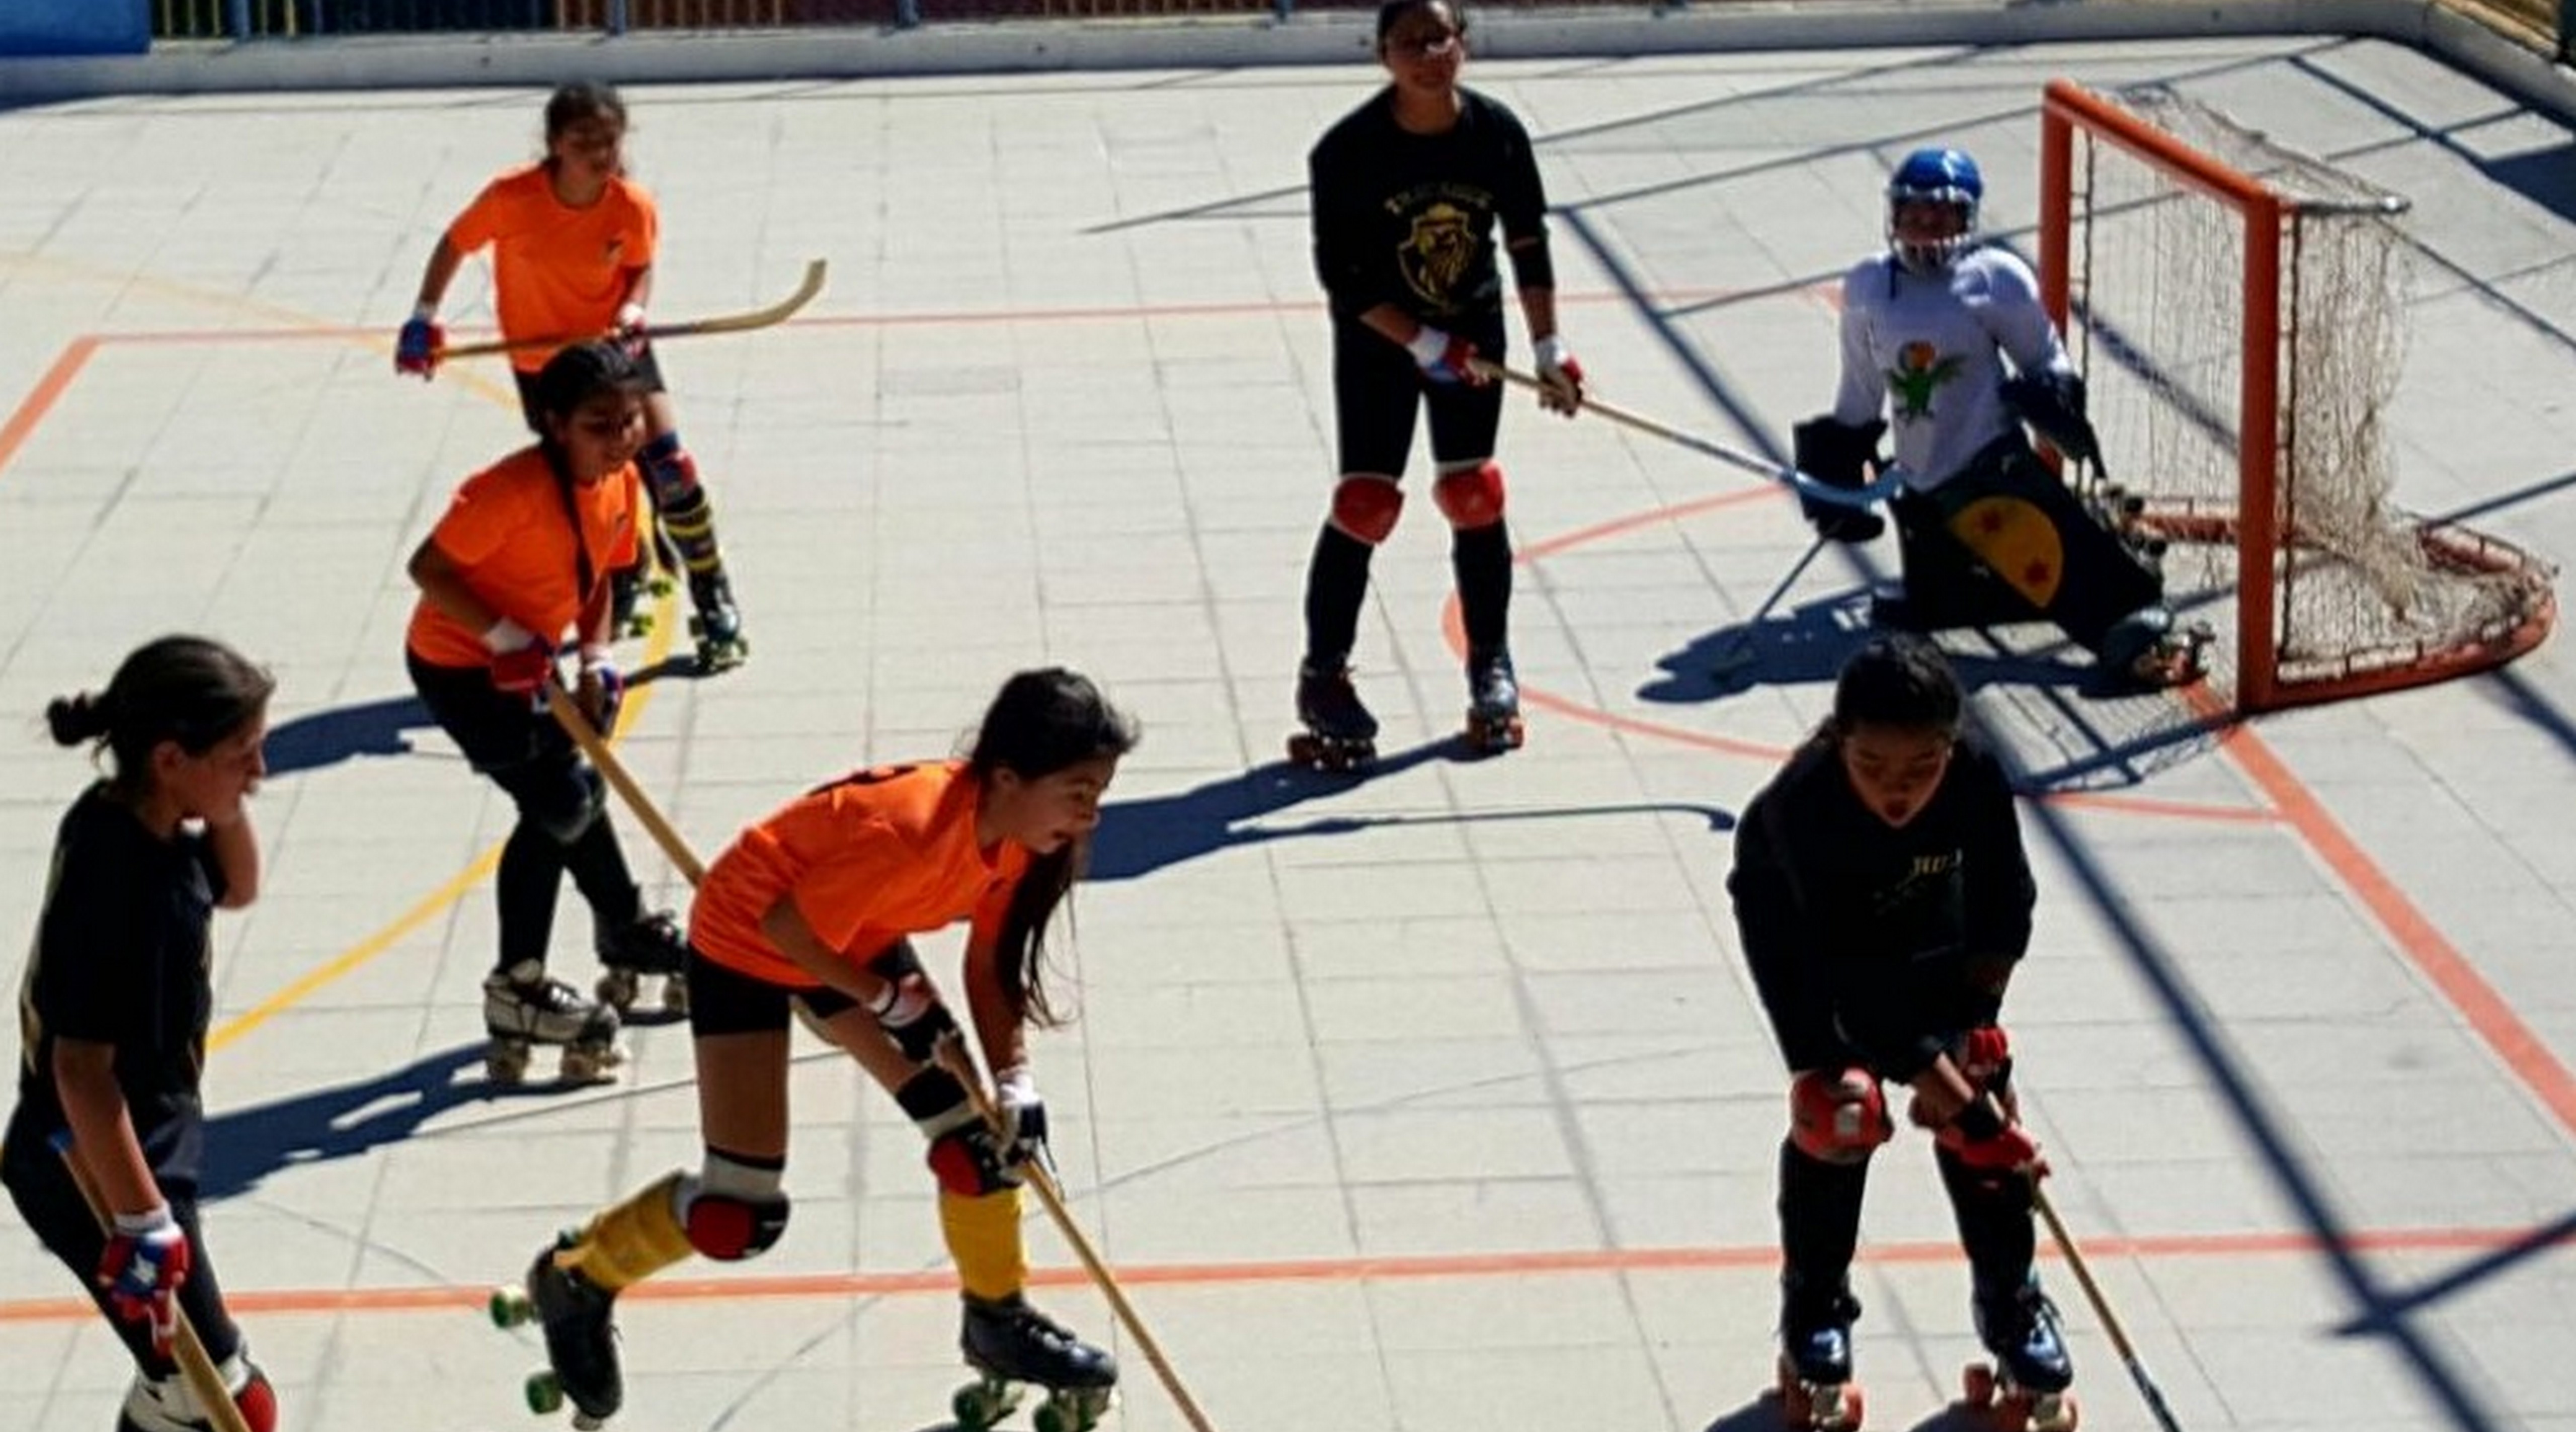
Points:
(1138, 837)
(1809, 647)
(245, 1146)
(326, 738)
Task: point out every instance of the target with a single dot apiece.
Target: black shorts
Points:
(724, 1000)
(1377, 388)
(649, 366)
(499, 731)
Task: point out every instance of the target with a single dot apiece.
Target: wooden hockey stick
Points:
(775, 313)
(1855, 497)
(1034, 1172)
(2102, 1309)
(952, 1054)
(205, 1381)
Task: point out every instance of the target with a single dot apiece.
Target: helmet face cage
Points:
(1938, 176)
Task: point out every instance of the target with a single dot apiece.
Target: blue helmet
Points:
(1942, 176)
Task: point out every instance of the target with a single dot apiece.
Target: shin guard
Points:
(630, 1242)
(983, 1236)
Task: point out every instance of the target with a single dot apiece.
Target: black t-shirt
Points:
(1408, 219)
(122, 957)
(1874, 944)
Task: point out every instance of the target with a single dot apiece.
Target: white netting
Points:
(2159, 312)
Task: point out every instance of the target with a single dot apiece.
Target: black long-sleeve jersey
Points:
(1408, 219)
(1872, 944)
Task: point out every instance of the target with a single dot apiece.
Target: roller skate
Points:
(165, 1404)
(628, 587)
(651, 944)
(2025, 1387)
(1493, 703)
(1009, 1344)
(718, 624)
(581, 1340)
(523, 1007)
(2150, 651)
(1340, 733)
(1817, 1393)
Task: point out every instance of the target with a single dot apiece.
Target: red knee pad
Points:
(1471, 498)
(731, 1229)
(1366, 505)
(1838, 1116)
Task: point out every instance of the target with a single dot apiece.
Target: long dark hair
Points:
(1042, 722)
(189, 689)
(1899, 680)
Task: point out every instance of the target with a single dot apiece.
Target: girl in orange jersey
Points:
(514, 568)
(815, 906)
(573, 242)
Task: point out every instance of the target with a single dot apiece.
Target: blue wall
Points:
(75, 27)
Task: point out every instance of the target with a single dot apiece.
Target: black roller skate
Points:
(1340, 733)
(1817, 1393)
(523, 1007)
(718, 624)
(650, 945)
(581, 1338)
(628, 588)
(1493, 703)
(2025, 1387)
(1009, 1343)
(2150, 651)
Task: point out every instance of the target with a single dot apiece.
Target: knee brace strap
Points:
(1366, 505)
(1838, 1116)
(567, 808)
(1471, 497)
(729, 1228)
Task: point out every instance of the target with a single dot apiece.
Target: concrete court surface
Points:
(1434, 1100)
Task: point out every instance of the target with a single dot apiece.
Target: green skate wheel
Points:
(545, 1393)
(510, 1307)
(1055, 1416)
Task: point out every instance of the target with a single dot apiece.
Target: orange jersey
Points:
(557, 270)
(874, 856)
(508, 531)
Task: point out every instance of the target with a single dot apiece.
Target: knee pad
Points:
(672, 474)
(1471, 497)
(729, 1228)
(565, 808)
(1838, 1116)
(968, 1162)
(1366, 505)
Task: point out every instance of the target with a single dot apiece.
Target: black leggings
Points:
(55, 1212)
(563, 823)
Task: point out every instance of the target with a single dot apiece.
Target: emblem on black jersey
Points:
(1436, 254)
(1920, 372)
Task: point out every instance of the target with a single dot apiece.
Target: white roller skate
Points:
(649, 947)
(1493, 703)
(524, 1007)
(1009, 1343)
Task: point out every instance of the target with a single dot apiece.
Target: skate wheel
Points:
(1493, 737)
(675, 994)
(1316, 753)
(1977, 1385)
(2054, 1412)
(589, 1063)
(544, 1393)
(978, 1405)
(510, 1308)
(617, 989)
(506, 1062)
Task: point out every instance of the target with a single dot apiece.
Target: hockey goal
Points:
(2240, 311)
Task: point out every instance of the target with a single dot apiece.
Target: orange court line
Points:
(48, 391)
(1415, 1268)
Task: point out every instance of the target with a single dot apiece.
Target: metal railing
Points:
(2547, 26)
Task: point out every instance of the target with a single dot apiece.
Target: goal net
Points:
(2239, 311)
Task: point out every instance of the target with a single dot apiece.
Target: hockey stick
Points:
(2102, 1310)
(1855, 497)
(205, 1381)
(778, 312)
(952, 1053)
(569, 715)
(1740, 652)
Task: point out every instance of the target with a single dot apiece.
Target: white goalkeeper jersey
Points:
(1928, 352)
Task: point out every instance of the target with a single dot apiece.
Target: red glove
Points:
(525, 671)
(1982, 1053)
(1984, 1139)
(417, 348)
(1445, 357)
(142, 1269)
